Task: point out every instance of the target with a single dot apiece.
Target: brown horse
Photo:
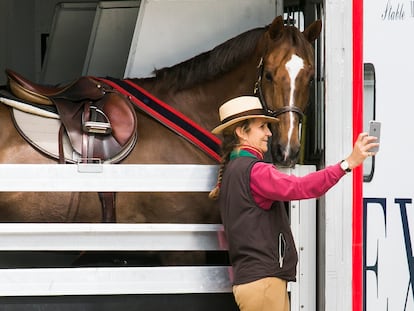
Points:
(274, 62)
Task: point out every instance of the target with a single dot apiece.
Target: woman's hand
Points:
(361, 149)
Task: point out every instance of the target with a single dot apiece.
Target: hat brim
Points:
(221, 127)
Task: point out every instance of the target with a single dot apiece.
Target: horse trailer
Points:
(354, 243)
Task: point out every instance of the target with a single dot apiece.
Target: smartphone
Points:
(375, 130)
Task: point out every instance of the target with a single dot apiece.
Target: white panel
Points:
(111, 237)
(170, 31)
(68, 42)
(101, 177)
(106, 281)
(303, 224)
(111, 38)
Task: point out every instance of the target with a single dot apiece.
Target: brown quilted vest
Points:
(260, 241)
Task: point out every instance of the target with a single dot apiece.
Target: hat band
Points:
(243, 114)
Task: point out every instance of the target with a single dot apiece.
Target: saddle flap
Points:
(42, 133)
(109, 124)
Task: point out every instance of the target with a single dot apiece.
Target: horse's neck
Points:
(201, 102)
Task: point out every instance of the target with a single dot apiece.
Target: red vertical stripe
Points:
(357, 25)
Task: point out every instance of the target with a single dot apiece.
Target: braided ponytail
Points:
(230, 141)
(213, 195)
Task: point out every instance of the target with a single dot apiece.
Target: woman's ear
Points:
(240, 133)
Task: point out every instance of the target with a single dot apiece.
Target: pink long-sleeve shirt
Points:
(268, 184)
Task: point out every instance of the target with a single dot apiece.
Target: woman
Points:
(251, 192)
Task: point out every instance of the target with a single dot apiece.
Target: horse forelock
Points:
(299, 43)
(208, 65)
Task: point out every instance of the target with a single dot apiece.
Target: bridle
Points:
(259, 93)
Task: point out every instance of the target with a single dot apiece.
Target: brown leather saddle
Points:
(99, 121)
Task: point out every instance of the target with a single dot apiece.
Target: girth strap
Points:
(108, 206)
(168, 116)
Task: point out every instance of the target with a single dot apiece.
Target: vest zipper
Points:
(282, 249)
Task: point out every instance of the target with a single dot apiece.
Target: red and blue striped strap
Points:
(167, 116)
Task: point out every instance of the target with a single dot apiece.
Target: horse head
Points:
(286, 71)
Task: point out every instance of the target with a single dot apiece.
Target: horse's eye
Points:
(268, 76)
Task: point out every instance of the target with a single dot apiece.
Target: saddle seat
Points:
(99, 121)
(41, 94)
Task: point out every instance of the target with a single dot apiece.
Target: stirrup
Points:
(96, 127)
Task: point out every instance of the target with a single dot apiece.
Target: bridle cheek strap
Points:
(258, 87)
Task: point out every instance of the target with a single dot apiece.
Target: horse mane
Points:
(208, 65)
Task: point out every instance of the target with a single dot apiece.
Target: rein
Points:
(259, 93)
(167, 116)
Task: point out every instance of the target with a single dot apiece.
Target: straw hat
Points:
(239, 109)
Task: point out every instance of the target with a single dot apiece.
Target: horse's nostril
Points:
(284, 156)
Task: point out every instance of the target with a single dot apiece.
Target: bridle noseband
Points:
(259, 93)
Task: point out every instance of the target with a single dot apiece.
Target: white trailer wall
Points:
(336, 245)
(388, 198)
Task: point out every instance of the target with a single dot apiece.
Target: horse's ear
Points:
(313, 31)
(276, 27)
